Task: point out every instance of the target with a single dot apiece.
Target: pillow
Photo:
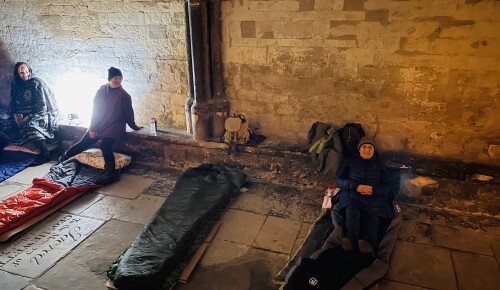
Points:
(93, 157)
(21, 149)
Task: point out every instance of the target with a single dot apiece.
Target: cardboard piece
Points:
(186, 273)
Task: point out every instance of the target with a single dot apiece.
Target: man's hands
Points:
(21, 119)
(365, 189)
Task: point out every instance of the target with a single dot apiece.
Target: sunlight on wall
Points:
(75, 93)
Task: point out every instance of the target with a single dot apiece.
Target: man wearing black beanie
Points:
(111, 113)
(114, 72)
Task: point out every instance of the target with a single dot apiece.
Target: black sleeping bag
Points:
(320, 263)
(199, 194)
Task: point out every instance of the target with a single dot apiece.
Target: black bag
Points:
(331, 270)
(350, 136)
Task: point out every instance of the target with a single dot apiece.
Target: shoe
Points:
(346, 244)
(108, 177)
(365, 248)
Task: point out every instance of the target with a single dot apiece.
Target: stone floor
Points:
(264, 226)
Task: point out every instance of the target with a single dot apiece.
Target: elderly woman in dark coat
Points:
(32, 112)
(365, 194)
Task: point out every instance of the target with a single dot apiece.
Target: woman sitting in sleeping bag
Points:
(365, 194)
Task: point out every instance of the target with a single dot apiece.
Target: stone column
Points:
(220, 103)
(209, 105)
(200, 61)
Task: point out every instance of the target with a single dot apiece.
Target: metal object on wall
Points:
(190, 99)
(210, 106)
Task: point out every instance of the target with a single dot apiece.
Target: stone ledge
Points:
(148, 148)
(292, 166)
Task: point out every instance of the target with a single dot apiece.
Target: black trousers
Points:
(106, 148)
(361, 225)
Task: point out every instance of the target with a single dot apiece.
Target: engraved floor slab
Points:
(85, 267)
(82, 202)
(12, 282)
(106, 207)
(45, 244)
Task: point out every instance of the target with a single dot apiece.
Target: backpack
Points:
(237, 124)
(350, 135)
(325, 148)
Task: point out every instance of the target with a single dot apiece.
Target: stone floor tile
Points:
(83, 202)
(161, 187)
(33, 287)
(422, 265)
(278, 235)
(259, 204)
(7, 190)
(412, 231)
(392, 285)
(462, 239)
(12, 282)
(493, 235)
(129, 186)
(447, 219)
(476, 271)
(26, 175)
(313, 197)
(45, 244)
(220, 252)
(240, 227)
(304, 231)
(253, 271)
(80, 270)
(302, 212)
(106, 207)
(140, 210)
(415, 213)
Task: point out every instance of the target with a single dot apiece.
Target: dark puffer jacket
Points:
(354, 171)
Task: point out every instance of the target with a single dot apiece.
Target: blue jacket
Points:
(354, 171)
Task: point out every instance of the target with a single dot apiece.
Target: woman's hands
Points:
(365, 189)
(21, 119)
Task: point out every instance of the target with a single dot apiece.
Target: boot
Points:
(110, 175)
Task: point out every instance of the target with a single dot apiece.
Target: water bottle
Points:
(152, 126)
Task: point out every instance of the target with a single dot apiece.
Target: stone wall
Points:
(422, 76)
(75, 42)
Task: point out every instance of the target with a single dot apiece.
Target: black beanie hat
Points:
(366, 140)
(114, 72)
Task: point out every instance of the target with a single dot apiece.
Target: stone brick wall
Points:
(77, 41)
(422, 76)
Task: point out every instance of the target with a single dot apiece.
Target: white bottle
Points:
(152, 126)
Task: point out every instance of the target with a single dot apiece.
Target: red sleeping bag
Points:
(27, 204)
